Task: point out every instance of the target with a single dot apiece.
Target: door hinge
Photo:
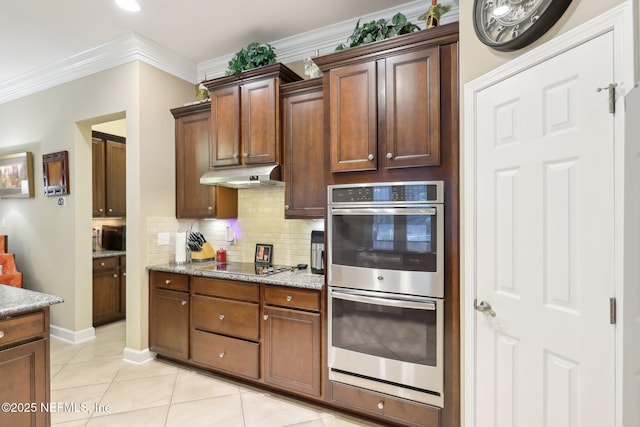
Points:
(612, 96)
(612, 311)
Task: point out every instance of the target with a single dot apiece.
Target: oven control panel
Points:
(405, 192)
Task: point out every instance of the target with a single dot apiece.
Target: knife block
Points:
(207, 253)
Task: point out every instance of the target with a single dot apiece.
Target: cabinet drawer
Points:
(171, 281)
(228, 354)
(226, 289)
(304, 299)
(228, 317)
(105, 263)
(20, 328)
(398, 410)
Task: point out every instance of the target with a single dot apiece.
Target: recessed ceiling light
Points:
(128, 5)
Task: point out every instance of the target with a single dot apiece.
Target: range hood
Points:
(244, 177)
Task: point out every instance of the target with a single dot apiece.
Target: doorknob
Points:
(485, 307)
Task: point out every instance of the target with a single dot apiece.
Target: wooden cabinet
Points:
(225, 331)
(24, 368)
(109, 289)
(384, 100)
(292, 339)
(193, 159)
(169, 314)
(245, 116)
(109, 175)
(304, 149)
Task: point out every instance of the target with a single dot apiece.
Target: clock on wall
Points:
(513, 24)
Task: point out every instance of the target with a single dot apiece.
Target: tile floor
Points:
(92, 386)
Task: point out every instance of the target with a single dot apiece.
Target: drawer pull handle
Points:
(1, 334)
(115, 275)
(221, 317)
(265, 317)
(184, 302)
(381, 405)
(222, 354)
(289, 298)
(102, 264)
(167, 282)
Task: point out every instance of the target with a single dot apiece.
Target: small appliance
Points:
(114, 237)
(317, 252)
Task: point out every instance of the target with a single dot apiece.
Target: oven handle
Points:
(395, 301)
(384, 211)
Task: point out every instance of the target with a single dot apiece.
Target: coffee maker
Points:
(317, 252)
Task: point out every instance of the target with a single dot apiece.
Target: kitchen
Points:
(154, 213)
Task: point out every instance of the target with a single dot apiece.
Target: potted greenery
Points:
(252, 56)
(378, 30)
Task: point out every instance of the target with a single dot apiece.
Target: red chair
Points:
(9, 274)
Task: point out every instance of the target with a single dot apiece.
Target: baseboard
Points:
(138, 357)
(73, 337)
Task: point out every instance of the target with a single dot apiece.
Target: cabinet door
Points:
(292, 349)
(225, 126)
(123, 286)
(304, 159)
(24, 374)
(259, 122)
(116, 179)
(98, 175)
(353, 117)
(412, 103)
(169, 323)
(106, 296)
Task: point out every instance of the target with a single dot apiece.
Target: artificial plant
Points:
(252, 56)
(378, 30)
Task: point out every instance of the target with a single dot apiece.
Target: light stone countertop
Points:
(295, 278)
(16, 300)
(106, 253)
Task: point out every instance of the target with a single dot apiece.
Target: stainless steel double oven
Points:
(386, 288)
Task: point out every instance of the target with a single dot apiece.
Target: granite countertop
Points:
(16, 300)
(103, 253)
(294, 278)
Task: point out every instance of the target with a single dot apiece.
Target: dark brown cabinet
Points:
(109, 289)
(109, 175)
(292, 338)
(169, 314)
(24, 368)
(193, 155)
(304, 149)
(245, 116)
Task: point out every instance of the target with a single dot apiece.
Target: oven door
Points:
(387, 343)
(396, 249)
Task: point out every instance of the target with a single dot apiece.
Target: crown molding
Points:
(133, 47)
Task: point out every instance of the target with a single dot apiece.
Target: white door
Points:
(544, 244)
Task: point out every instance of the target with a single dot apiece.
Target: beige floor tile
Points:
(76, 403)
(262, 410)
(86, 373)
(152, 368)
(344, 421)
(98, 350)
(77, 423)
(224, 411)
(152, 417)
(61, 352)
(191, 385)
(140, 393)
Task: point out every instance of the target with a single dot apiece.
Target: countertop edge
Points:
(19, 300)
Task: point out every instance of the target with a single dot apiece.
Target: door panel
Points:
(544, 255)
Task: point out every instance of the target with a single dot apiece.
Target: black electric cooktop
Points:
(247, 268)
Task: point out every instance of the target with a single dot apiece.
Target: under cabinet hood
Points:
(244, 177)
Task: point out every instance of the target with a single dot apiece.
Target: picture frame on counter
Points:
(264, 253)
(16, 175)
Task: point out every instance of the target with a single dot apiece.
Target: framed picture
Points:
(264, 253)
(55, 172)
(16, 175)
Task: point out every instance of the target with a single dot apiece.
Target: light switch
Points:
(163, 239)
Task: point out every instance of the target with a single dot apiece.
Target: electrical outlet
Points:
(163, 239)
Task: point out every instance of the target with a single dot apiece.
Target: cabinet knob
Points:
(265, 317)
(110, 210)
(168, 281)
(289, 298)
(381, 405)
(221, 317)
(389, 156)
(100, 210)
(102, 264)
(124, 273)
(370, 157)
(115, 275)
(210, 208)
(286, 207)
(245, 154)
(235, 155)
(222, 353)
(1, 334)
(184, 302)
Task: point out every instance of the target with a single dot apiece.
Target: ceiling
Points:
(46, 32)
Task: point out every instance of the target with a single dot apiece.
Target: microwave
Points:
(114, 237)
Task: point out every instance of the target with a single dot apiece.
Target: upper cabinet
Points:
(384, 101)
(109, 175)
(193, 146)
(245, 115)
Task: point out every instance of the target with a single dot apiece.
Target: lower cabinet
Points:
(109, 289)
(169, 314)
(24, 369)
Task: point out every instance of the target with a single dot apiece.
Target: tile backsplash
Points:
(260, 220)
